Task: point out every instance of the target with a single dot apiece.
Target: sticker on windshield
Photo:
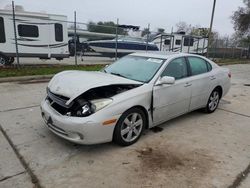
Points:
(155, 60)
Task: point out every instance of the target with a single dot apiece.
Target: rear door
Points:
(172, 100)
(202, 80)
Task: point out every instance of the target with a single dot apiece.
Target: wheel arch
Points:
(220, 89)
(2, 54)
(144, 111)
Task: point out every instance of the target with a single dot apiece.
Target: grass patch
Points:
(231, 61)
(44, 70)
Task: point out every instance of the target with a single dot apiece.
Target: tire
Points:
(3, 60)
(11, 60)
(129, 127)
(213, 101)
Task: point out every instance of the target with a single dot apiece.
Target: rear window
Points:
(2, 32)
(197, 65)
(28, 31)
(58, 32)
(188, 41)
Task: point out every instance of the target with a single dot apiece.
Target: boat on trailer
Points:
(124, 45)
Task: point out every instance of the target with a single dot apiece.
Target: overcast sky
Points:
(159, 13)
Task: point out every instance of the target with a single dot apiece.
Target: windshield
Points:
(135, 68)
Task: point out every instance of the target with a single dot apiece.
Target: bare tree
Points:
(183, 26)
(241, 21)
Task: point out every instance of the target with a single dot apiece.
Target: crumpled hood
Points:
(71, 84)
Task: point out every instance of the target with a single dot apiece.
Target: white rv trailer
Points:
(38, 35)
(180, 42)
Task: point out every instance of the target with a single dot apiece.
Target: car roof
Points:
(161, 55)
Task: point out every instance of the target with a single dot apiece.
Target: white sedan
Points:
(137, 92)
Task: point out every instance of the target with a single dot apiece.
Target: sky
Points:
(158, 13)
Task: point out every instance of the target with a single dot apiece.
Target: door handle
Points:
(212, 77)
(187, 84)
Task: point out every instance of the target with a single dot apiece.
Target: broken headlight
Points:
(81, 108)
(98, 104)
(84, 108)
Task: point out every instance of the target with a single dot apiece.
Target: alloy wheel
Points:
(131, 127)
(213, 101)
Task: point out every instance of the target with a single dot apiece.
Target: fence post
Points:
(147, 37)
(75, 38)
(14, 24)
(203, 45)
(189, 40)
(116, 38)
(161, 43)
(233, 52)
(215, 48)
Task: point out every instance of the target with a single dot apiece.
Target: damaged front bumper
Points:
(81, 130)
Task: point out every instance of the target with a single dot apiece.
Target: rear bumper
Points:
(81, 130)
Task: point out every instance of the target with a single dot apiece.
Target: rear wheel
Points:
(213, 101)
(11, 60)
(129, 127)
(3, 60)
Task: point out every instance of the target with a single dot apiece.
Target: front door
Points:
(172, 100)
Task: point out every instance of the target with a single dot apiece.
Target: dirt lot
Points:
(195, 150)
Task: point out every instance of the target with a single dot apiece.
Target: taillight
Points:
(229, 74)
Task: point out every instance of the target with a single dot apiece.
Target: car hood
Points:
(71, 84)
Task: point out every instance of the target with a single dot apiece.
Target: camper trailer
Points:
(39, 35)
(180, 42)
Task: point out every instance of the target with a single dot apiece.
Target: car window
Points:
(209, 66)
(136, 68)
(176, 68)
(197, 65)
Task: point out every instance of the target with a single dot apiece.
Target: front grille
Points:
(58, 102)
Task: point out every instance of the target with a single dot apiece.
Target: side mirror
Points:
(166, 80)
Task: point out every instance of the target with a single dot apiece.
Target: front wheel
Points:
(213, 101)
(129, 127)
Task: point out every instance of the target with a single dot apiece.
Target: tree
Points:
(241, 21)
(105, 27)
(183, 27)
(160, 30)
(198, 31)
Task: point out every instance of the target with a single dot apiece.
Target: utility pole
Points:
(210, 28)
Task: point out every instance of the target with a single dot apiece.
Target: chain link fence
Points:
(60, 38)
(223, 49)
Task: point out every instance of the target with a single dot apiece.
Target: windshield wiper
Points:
(117, 74)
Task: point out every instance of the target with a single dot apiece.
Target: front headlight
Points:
(98, 104)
